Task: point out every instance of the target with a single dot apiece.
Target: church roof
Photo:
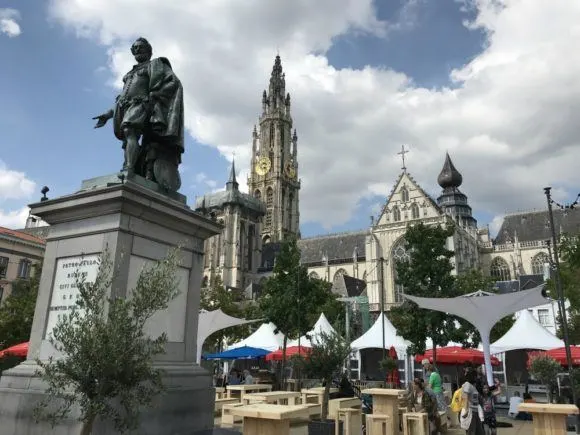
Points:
(419, 188)
(230, 196)
(449, 177)
(347, 286)
(339, 246)
(534, 225)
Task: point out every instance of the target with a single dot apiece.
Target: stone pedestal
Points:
(137, 226)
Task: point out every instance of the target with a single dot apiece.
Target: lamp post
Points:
(560, 293)
(382, 301)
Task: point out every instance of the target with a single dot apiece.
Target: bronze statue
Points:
(150, 108)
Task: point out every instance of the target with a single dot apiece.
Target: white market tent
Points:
(213, 321)
(263, 338)
(322, 325)
(526, 333)
(373, 338)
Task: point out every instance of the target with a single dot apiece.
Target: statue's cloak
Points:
(164, 125)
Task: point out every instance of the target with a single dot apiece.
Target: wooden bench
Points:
(376, 424)
(228, 417)
(352, 421)
(344, 402)
(219, 403)
(269, 419)
(444, 420)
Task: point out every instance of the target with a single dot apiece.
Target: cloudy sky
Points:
(496, 83)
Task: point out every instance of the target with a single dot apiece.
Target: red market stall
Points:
(290, 351)
(20, 350)
(559, 354)
(456, 355)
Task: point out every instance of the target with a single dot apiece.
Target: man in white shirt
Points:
(248, 378)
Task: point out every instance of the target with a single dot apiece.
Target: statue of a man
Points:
(150, 108)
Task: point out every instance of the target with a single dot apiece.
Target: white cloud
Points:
(8, 22)
(14, 184)
(201, 179)
(510, 123)
(14, 218)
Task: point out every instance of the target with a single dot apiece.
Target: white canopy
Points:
(373, 338)
(321, 325)
(526, 333)
(263, 338)
(213, 321)
(483, 310)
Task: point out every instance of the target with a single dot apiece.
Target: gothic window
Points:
(414, 211)
(396, 214)
(257, 194)
(251, 235)
(404, 194)
(399, 253)
(269, 218)
(538, 263)
(500, 269)
(313, 275)
(24, 269)
(289, 213)
(338, 274)
(3, 266)
(269, 197)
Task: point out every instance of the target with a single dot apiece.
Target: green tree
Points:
(569, 250)
(291, 299)
(108, 365)
(545, 369)
(17, 311)
(216, 296)
(471, 282)
(324, 362)
(427, 273)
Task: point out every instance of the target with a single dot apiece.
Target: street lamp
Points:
(560, 291)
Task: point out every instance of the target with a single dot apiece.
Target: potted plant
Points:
(324, 362)
(388, 365)
(545, 369)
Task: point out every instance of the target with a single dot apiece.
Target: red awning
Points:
(290, 351)
(20, 350)
(456, 355)
(559, 354)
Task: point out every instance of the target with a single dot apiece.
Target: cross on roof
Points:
(402, 154)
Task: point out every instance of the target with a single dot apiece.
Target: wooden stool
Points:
(415, 423)
(377, 424)
(352, 418)
(228, 418)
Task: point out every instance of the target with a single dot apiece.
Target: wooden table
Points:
(247, 388)
(273, 397)
(386, 401)
(415, 423)
(317, 392)
(549, 419)
(268, 419)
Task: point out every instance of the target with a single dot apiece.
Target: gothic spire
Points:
(232, 183)
(449, 176)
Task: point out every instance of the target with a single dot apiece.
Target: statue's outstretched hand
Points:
(102, 119)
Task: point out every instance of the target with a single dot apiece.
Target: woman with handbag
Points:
(471, 416)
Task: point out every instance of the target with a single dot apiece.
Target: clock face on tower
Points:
(263, 165)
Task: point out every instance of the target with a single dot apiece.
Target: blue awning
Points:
(244, 352)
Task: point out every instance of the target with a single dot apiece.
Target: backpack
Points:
(457, 400)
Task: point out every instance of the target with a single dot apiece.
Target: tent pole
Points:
(505, 373)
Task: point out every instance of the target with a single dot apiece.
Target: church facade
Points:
(256, 222)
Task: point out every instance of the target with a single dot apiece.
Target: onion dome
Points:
(449, 176)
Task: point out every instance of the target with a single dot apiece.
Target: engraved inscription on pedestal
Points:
(65, 293)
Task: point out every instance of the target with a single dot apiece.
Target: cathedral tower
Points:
(452, 201)
(274, 167)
